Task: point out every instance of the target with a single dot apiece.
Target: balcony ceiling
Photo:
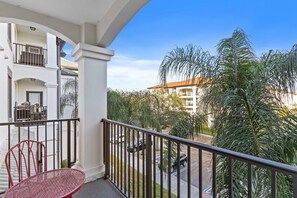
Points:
(89, 21)
(74, 11)
(26, 29)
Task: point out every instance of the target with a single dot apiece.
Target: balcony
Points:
(142, 165)
(186, 94)
(30, 55)
(27, 112)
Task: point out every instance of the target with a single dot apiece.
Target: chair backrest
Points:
(25, 159)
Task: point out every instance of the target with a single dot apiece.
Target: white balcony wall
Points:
(51, 51)
(6, 64)
(31, 39)
(47, 75)
(49, 78)
(24, 85)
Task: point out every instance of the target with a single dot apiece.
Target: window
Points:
(9, 94)
(33, 49)
(35, 97)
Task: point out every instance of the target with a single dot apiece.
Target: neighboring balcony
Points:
(27, 112)
(186, 94)
(30, 55)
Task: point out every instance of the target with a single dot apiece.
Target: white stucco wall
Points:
(47, 75)
(6, 61)
(29, 39)
(22, 74)
(24, 85)
(51, 51)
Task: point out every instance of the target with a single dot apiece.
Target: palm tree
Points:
(70, 97)
(243, 94)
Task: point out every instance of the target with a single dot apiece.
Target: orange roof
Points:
(183, 83)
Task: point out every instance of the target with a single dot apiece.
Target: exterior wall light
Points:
(32, 28)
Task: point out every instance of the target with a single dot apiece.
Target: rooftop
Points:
(69, 64)
(183, 83)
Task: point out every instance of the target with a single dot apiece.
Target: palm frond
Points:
(187, 63)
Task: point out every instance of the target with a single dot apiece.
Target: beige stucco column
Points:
(92, 86)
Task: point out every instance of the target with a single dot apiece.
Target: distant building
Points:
(191, 94)
(188, 91)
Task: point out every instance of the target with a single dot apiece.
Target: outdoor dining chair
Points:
(25, 159)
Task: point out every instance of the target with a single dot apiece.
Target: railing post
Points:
(149, 166)
(106, 139)
(294, 186)
(68, 144)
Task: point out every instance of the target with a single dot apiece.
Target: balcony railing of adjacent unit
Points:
(132, 166)
(186, 94)
(29, 112)
(30, 55)
(59, 137)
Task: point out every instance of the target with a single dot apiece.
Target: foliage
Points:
(243, 94)
(188, 125)
(70, 97)
(143, 108)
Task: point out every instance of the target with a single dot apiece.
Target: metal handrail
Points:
(221, 151)
(39, 121)
(23, 55)
(231, 155)
(53, 136)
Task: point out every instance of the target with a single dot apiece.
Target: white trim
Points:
(35, 67)
(50, 85)
(91, 51)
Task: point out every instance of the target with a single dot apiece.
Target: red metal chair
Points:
(25, 159)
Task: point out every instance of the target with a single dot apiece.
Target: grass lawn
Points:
(207, 131)
(139, 185)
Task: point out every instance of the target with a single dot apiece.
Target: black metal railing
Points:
(59, 137)
(30, 55)
(150, 164)
(30, 113)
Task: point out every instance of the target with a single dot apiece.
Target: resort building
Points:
(188, 91)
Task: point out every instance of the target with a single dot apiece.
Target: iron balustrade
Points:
(30, 55)
(132, 169)
(29, 113)
(57, 135)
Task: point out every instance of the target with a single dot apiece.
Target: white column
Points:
(51, 101)
(92, 97)
(51, 50)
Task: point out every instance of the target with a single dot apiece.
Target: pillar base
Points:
(92, 174)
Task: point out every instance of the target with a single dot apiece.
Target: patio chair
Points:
(25, 159)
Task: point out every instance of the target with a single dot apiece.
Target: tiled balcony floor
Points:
(97, 189)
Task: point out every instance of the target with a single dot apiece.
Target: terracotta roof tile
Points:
(183, 83)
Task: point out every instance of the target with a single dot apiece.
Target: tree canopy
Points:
(244, 96)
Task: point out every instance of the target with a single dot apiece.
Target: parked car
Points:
(118, 139)
(183, 160)
(137, 146)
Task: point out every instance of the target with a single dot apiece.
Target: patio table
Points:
(53, 183)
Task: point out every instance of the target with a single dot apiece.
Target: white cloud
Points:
(124, 73)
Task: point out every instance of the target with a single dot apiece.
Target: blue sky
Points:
(164, 24)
